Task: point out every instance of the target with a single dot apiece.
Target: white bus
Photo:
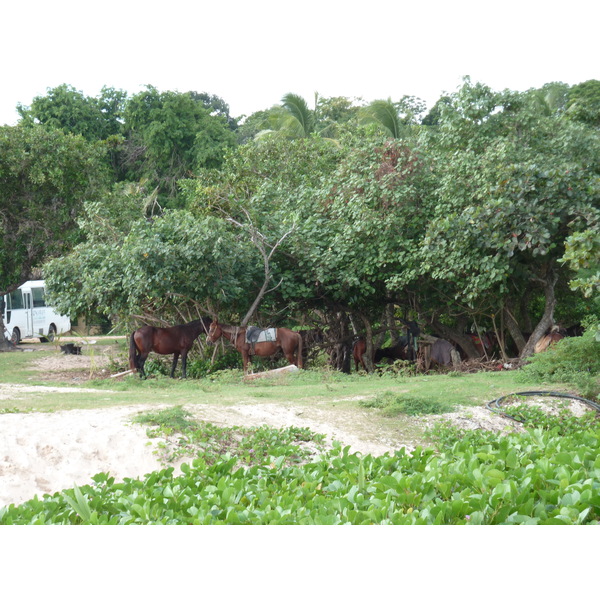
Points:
(26, 315)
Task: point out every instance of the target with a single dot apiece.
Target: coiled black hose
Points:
(497, 401)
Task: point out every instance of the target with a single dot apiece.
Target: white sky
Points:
(251, 53)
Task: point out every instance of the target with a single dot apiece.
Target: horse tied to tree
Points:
(262, 342)
(177, 340)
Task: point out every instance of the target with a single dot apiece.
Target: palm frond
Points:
(385, 114)
(299, 110)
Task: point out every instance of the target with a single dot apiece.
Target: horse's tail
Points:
(299, 350)
(133, 354)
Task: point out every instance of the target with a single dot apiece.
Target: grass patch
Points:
(393, 404)
(17, 367)
(168, 420)
(329, 390)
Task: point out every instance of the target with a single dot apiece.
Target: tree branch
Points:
(261, 244)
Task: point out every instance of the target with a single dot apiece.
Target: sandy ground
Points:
(46, 452)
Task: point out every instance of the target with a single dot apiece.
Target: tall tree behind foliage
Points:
(216, 106)
(68, 109)
(293, 118)
(394, 118)
(171, 136)
(45, 177)
(584, 102)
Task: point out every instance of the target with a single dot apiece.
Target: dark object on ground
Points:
(70, 349)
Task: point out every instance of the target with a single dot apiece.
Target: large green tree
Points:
(171, 136)
(45, 177)
(347, 215)
(515, 182)
(68, 109)
(155, 269)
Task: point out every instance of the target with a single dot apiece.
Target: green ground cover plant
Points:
(536, 477)
(187, 437)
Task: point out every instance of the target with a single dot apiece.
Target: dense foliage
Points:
(574, 361)
(539, 477)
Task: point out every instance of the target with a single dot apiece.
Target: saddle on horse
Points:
(255, 335)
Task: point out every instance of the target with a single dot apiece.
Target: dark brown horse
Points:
(177, 340)
(396, 352)
(289, 341)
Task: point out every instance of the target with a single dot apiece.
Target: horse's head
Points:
(214, 332)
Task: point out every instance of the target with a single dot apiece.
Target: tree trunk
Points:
(5, 345)
(339, 341)
(514, 330)
(464, 341)
(547, 319)
(525, 317)
(369, 352)
(392, 326)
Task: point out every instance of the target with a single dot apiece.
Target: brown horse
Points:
(358, 352)
(554, 335)
(289, 341)
(177, 340)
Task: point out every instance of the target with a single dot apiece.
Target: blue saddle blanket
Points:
(255, 335)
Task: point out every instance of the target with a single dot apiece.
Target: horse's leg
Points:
(141, 362)
(362, 362)
(290, 357)
(175, 358)
(184, 364)
(299, 350)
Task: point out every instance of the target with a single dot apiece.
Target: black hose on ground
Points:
(497, 402)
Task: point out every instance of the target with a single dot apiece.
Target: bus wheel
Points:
(51, 334)
(15, 338)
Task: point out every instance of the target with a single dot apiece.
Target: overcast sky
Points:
(251, 53)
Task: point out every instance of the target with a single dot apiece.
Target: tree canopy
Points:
(351, 217)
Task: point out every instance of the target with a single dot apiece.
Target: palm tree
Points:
(385, 114)
(293, 118)
(395, 118)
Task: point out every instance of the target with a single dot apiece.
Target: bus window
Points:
(16, 299)
(38, 297)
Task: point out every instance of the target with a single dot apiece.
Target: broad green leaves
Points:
(169, 261)
(532, 478)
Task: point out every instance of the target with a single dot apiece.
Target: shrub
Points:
(203, 367)
(573, 360)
